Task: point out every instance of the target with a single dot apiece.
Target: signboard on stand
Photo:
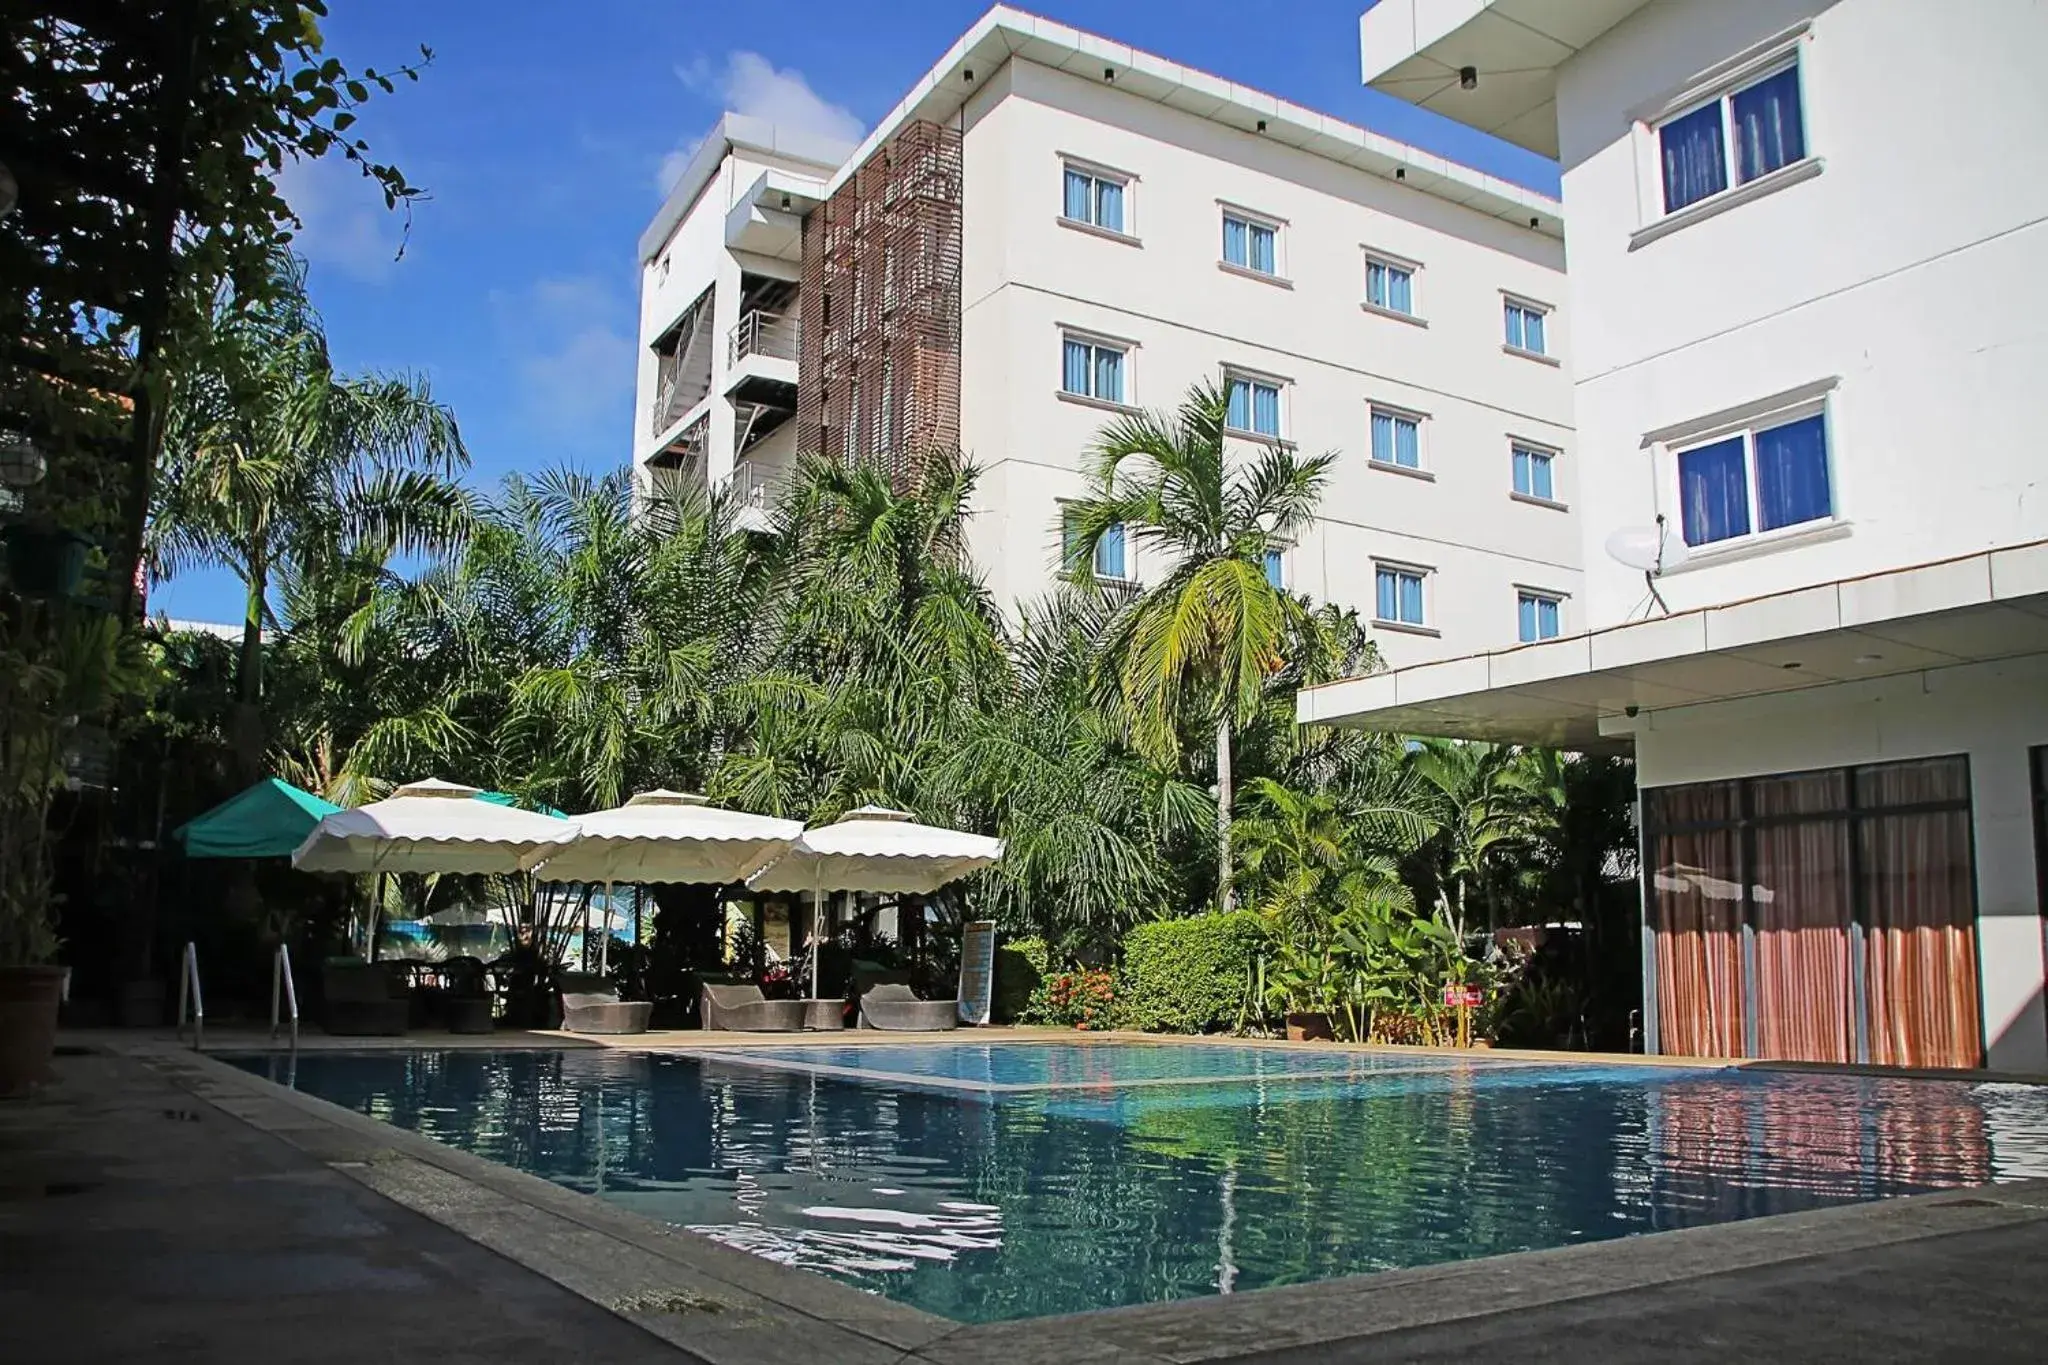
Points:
(977, 970)
(1464, 999)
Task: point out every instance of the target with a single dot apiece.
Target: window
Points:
(1092, 369)
(1756, 481)
(1254, 406)
(1396, 439)
(1537, 616)
(1525, 326)
(1276, 567)
(1095, 198)
(1739, 135)
(1389, 285)
(1110, 561)
(1250, 244)
(1534, 477)
(1398, 594)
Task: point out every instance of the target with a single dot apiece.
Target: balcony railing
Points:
(769, 334)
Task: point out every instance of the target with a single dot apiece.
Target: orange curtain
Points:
(1698, 923)
(1921, 962)
(1802, 942)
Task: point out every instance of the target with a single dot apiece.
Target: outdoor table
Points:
(824, 1014)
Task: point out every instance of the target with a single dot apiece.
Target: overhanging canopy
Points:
(432, 827)
(665, 836)
(876, 849)
(267, 820)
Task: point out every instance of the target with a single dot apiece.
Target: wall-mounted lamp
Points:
(1468, 78)
(1109, 73)
(968, 75)
(1535, 222)
(1400, 172)
(1262, 125)
(785, 201)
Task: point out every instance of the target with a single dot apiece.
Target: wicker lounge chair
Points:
(603, 1012)
(895, 1008)
(363, 1000)
(745, 1009)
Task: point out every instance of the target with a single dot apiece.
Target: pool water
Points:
(985, 1182)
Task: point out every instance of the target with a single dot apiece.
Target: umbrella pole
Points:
(639, 958)
(376, 910)
(604, 944)
(817, 920)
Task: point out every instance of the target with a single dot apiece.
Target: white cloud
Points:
(572, 352)
(344, 221)
(750, 84)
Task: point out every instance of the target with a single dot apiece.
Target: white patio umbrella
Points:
(431, 826)
(665, 836)
(874, 849)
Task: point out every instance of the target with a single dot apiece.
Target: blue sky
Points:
(542, 132)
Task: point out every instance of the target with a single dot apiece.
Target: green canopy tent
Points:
(268, 820)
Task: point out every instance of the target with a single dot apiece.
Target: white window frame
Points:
(1285, 552)
(1527, 305)
(1099, 341)
(1252, 218)
(1422, 469)
(1719, 84)
(1096, 171)
(1424, 572)
(1549, 452)
(1555, 598)
(1279, 383)
(1667, 444)
(1130, 574)
(1374, 256)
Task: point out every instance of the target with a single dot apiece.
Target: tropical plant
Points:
(1201, 644)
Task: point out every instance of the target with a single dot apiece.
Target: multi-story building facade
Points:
(1052, 229)
(1808, 347)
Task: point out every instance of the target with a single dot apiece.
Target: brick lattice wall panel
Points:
(880, 364)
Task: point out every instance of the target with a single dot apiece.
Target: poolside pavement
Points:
(160, 1205)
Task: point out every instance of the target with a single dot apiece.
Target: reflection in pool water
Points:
(983, 1183)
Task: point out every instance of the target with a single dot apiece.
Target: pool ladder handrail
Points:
(191, 1002)
(282, 988)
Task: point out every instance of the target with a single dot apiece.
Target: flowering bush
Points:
(1083, 999)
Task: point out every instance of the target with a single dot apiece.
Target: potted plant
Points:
(1301, 986)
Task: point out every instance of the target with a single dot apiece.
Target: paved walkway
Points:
(139, 1223)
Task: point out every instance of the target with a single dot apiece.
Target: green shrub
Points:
(1020, 965)
(1188, 975)
(1078, 999)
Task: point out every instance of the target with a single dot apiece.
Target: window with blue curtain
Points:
(1533, 475)
(1537, 617)
(1092, 369)
(1253, 407)
(1792, 473)
(1109, 205)
(1094, 198)
(1525, 327)
(1390, 287)
(1713, 491)
(1694, 155)
(1248, 244)
(1109, 554)
(1276, 569)
(1397, 595)
(1396, 439)
(1769, 131)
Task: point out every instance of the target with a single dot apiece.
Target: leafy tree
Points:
(1203, 642)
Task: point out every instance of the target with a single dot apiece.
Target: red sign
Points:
(1462, 997)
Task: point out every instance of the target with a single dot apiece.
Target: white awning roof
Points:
(877, 849)
(1577, 692)
(432, 826)
(1415, 49)
(665, 836)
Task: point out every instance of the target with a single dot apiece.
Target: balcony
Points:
(761, 373)
(755, 487)
(761, 333)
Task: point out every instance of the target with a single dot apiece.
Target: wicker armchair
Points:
(603, 1012)
(745, 1009)
(893, 1007)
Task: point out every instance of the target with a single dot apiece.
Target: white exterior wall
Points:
(1991, 712)
(1025, 276)
(697, 258)
(1914, 267)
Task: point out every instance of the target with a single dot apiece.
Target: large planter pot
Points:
(1310, 1026)
(28, 1026)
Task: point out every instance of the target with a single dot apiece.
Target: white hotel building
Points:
(1807, 307)
(1052, 228)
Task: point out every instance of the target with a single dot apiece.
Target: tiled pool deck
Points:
(1957, 1273)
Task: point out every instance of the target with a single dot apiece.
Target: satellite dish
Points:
(1652, 549)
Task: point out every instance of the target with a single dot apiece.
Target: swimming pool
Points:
(990, 1181)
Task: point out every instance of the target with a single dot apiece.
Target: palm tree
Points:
(272, 462)
(1200, 644)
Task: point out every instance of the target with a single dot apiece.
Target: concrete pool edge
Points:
(724, 1306)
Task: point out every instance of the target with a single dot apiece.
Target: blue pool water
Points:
(983, 1182)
